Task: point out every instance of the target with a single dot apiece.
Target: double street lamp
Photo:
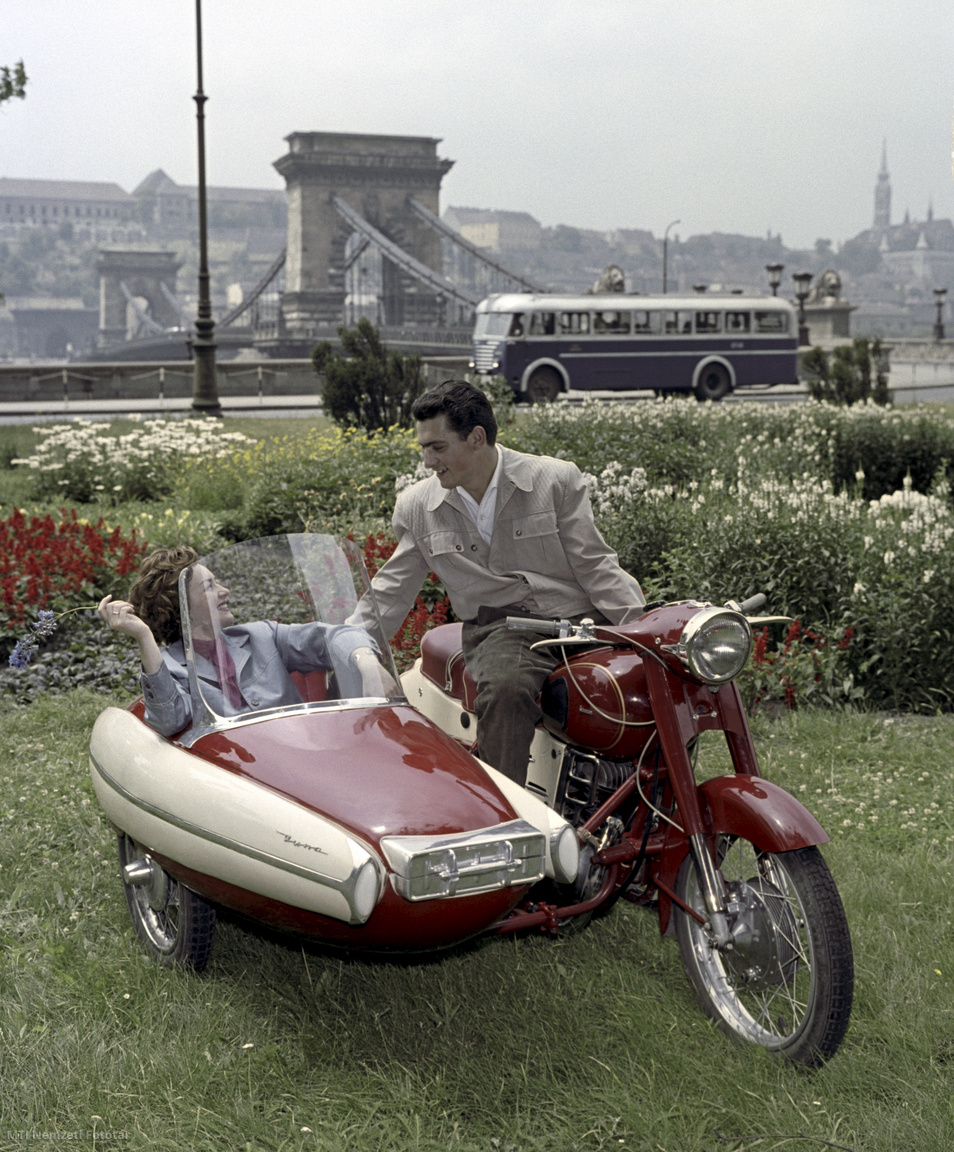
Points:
(802, 281)
(939, 294)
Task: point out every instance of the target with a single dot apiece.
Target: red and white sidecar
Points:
(339, 813)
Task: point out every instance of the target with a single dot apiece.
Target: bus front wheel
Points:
(714, 382)
(544, 385)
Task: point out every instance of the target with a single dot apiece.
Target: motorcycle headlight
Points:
(715, 645)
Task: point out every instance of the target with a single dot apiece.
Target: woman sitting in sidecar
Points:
(238, 668)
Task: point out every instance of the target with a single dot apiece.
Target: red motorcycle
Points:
(730, 865)
(353, 811)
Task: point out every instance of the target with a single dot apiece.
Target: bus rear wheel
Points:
(543, 386)
(714, 382)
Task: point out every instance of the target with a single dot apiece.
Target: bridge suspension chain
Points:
(480, 254)
(404, 260)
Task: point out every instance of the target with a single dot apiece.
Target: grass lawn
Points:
(588, 1042)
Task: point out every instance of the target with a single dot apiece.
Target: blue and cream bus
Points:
(708, 345)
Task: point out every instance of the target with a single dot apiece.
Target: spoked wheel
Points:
(714, 382)
(544, 385)
(177, 925)
(787, 982)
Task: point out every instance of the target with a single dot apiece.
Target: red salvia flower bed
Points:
(46, 562)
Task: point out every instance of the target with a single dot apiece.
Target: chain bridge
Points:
(364, 239)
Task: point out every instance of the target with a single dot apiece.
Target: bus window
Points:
(516, 328)
(771, 321)
(611, 323)
(492, 323)
(678, 322)
(647, 323)
(737, 322)
(574, 323)
(542, 323)
(708, 322)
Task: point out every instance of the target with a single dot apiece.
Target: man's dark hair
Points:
(465, 407)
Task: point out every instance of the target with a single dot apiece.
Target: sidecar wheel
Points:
(787, 983)
(176, 925)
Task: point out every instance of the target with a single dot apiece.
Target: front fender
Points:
(747, 806)
(761, 812)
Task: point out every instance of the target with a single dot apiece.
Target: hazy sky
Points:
(730, 115)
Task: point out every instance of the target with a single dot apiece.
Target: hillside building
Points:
(495, 230)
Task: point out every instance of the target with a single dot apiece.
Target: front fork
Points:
(713, 890)
(675, 727)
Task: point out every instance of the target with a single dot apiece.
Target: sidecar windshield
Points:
(264, 629)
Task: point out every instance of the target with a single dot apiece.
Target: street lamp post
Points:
(775, 276)
(205, 396)
(666, 252)
(939, 294)
(802, 281)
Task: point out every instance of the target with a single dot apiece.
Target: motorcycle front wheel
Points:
(787, 982)
(176, 924)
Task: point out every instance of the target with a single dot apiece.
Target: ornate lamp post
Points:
(802, 281)
(775, 276)
(205, 396)
(939, 294)
(666, 252)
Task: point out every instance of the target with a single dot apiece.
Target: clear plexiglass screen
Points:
(266, 626)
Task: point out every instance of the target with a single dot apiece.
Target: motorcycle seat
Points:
(442, 662)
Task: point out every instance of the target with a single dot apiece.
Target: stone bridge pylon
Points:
(126, 278)
(376, 177)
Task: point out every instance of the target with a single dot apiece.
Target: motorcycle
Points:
(353, 811)
(729, 865)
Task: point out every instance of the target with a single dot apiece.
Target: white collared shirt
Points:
(482, 514)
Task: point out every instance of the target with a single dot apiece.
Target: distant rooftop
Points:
(62, 190)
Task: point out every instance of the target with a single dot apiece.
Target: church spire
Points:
(882, 209)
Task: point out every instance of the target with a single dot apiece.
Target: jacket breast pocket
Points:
(535, 540)
(445, 543)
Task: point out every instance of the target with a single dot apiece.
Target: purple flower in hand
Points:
(22, 654)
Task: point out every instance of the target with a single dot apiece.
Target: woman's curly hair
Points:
(154, 594)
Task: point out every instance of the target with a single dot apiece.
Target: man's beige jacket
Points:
(546, 553)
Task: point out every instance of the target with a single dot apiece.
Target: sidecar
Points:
(329, 808)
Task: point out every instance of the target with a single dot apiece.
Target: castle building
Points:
(39, 202)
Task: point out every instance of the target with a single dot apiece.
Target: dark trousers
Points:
(509, 677)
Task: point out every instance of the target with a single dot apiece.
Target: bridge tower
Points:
(375, 176)
(126, 275)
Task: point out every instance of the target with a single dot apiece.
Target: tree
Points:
(845, 377)
(13, 82)
(366, 386)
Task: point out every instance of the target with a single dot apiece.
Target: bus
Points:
(708, 345)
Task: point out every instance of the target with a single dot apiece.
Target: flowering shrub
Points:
(86, 462)
(55, 565)
(678, 440)
(803, 668)
(329, 481)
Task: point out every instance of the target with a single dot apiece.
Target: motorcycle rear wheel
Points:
(176, 925)
(787, 983)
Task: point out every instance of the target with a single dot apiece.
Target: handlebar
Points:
(546, 627)
(752, 603)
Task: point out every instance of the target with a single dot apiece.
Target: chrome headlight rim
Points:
(697, 633)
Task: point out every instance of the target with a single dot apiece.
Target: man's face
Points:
(454, 461)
